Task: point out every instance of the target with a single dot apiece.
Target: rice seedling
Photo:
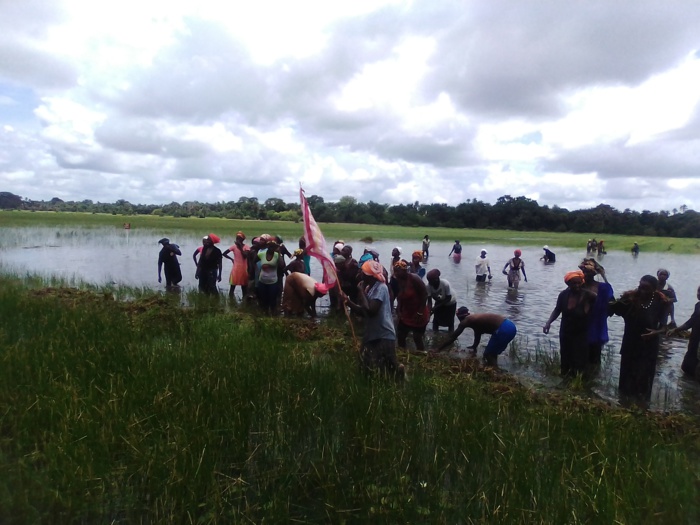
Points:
(142, 411)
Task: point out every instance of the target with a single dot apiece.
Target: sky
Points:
(571, 104)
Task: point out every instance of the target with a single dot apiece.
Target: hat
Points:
(484, 251)
(164, 240)
(214, 238)
(517, 253)
(545, 247)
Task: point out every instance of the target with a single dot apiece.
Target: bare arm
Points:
(452, 338)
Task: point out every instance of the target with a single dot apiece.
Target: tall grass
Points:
(144, 412)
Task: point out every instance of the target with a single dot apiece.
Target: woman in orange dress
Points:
(239, 272)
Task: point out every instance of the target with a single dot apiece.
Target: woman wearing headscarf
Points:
(239, 271)
(574, 304)
(268, 280)
(441, 302)
(513, 268)
(415, 266)
(643, 310)
(411, 306)
(598, 316)
(296, 265)
(378, 353)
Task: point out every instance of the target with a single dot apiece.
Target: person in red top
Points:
(411, 306)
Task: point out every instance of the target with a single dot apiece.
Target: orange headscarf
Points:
(573, 274)
(374, 269)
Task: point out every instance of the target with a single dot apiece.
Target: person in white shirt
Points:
(483, 267)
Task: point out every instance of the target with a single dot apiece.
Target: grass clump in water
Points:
(143, 411)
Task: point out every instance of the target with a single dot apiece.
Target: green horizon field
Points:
(348, 232)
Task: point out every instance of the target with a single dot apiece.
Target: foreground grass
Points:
(142, 412)
(349, 232)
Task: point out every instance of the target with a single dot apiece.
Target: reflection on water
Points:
(129, 257)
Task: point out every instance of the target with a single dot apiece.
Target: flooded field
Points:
(129, 257)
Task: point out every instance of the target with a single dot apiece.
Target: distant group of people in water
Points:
(401, 300)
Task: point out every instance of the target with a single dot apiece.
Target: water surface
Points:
(129, 257)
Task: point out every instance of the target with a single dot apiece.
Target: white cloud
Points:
(569, 104)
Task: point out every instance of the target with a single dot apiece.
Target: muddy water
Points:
(129, 257)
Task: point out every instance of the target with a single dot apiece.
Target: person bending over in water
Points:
(502, 332)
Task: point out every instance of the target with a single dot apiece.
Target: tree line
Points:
(513, 213)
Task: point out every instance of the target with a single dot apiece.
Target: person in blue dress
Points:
(598, 315)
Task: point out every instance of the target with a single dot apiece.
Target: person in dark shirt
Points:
(209, 265)
(167, 258)
(691, 360)
(549, 256)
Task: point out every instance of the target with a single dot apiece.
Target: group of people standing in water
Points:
(401, 301)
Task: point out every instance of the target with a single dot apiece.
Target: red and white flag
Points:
(316, 244)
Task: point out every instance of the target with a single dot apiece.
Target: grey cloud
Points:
(146, 137)
(505, 59)
(619, 160)
(24, 58)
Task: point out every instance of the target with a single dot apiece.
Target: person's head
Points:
(164, 241)
(517, 253)
(545, 247)
(590, 268)
(416, 257)
(401, 269)
(456, 241)
(338, 246)
(426, 237)
(574, 279)
(302, 242)
(663, 274)
(396, 252)
(265, 239)
(372, 271)
(346, 251)
(365, 257)
(697, 294)
(240, 236)
(206, 241)
(298, 253)
(462, 313)
(483, 254)
(339, 261)
(647, 286)
(433, 277)
(278, 239)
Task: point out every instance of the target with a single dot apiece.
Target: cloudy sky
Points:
(568, 103)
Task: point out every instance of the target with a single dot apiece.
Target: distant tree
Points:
(10, 201)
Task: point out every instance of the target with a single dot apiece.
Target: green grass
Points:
(114, 412)
(348, 232)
